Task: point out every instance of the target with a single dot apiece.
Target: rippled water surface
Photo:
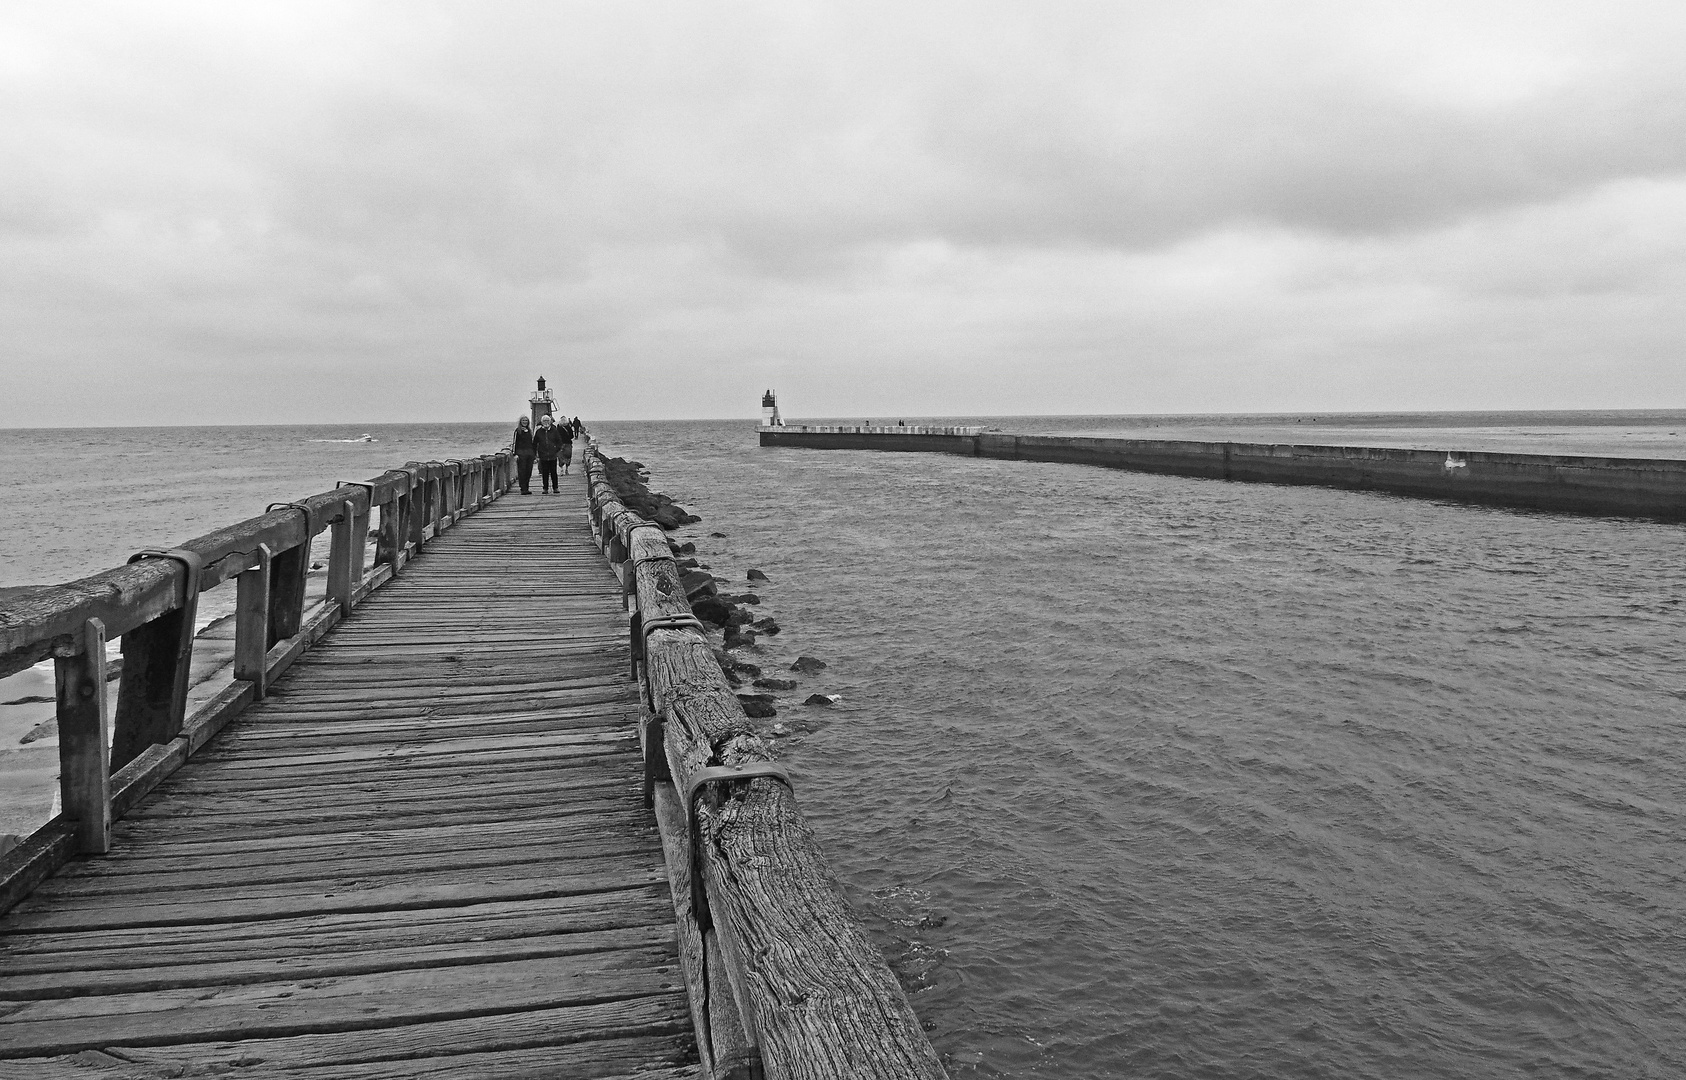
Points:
(1149, 776)
(1144, 776)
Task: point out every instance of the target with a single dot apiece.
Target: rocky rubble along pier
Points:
(731, 614)
(628, 480)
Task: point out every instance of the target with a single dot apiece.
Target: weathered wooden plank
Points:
(33, 918)
(487, 748)
(175, 831)
(629, 1059)
(325, 683)
(532, 697)
(577, 777)
(424, 845)
(347, 1003)
(648, 1019)
(586, 783)
(317, 934)
(87, 982)
(569, 773)
(581, 845)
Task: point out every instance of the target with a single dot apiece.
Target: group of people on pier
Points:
(552, 445)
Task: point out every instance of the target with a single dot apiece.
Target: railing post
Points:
(388, 543)
(84, 750)
(360, 536)
(288, 571)
(157, 662)
(406, 517)
(251, 624)
(416, 513)
(340, 580)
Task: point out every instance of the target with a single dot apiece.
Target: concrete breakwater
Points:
(1638, 487)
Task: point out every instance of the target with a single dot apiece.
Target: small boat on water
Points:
(365, 437)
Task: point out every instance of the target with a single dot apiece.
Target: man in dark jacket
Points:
(549, 442)
(522, 444)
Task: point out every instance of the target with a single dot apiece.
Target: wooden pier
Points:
(429, 832)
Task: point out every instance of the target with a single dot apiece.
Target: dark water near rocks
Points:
(1159, 777)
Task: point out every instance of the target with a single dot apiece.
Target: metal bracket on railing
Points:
(190, 562)
(718, 774)
(671, 622)
(641, 631)
(648, 558)
(309, 518)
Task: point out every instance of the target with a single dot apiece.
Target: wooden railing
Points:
(781, 975)
(151, 603)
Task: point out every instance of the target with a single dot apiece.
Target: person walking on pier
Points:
(523, 447)
(549, 442)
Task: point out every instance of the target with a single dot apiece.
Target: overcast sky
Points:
(295, 212)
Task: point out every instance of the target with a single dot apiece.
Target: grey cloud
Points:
(412, 183)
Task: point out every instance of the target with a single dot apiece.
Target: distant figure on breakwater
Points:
(522, 444)
(549, 441)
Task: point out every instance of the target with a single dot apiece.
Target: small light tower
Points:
(770, 411)
(543, 402)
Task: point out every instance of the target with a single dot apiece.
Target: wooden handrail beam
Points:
(783, 933)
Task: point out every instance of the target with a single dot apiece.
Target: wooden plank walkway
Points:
(425, 855)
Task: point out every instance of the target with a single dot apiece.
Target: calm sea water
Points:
(1158, 777)
(81, 500)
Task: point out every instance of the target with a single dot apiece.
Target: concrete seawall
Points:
(1634, 487)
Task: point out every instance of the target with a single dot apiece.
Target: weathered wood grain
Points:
(245, 970)
(645, 1020)
(84, 752)
(347, 1003)
(323, 934)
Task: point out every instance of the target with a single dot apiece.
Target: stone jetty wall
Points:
(1639, 487)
